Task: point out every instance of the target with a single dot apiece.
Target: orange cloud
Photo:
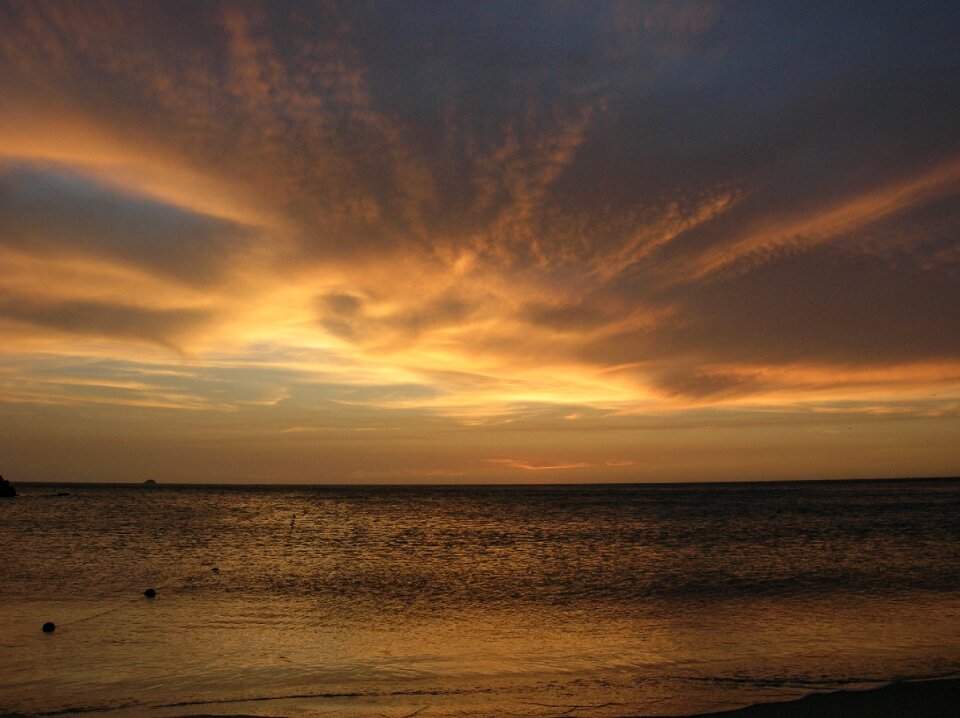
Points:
(830, 223)
(530, 466)
(314, 219)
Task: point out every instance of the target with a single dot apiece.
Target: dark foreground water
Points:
(532, 601)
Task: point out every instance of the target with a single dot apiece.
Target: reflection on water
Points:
(381, 601)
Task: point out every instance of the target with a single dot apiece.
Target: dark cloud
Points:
(342, 304)
(678, 184)
(350, 317)
(829, 306)
(165, 327)
(340, 314)
(699, 384)
(576, 316)
(546, 133)
(46, 211)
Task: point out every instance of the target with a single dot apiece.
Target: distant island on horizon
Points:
(503, 484)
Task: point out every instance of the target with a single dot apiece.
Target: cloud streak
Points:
(481, 220)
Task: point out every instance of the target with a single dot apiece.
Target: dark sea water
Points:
(532, 601)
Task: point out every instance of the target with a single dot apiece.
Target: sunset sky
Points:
(479, 241)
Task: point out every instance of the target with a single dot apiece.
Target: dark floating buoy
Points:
(215, 569)
(49, 627)
(149, 593)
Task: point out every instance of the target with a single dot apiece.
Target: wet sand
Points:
(919, 699)
(939, 698)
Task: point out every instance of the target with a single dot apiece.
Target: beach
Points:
(913, 699)
(937, 698)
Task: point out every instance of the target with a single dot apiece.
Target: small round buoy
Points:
(149, 593)
(49, 627)
(215, 569)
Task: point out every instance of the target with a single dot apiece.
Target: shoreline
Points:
(924, 698)
(927, 698)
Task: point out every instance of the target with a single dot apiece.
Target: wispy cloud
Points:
(491, 221)
(530, 466)
(836, 221)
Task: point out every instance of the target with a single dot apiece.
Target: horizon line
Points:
(504, 484)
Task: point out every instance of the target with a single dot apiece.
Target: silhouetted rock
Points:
(6, 488)
(49, 627)
(149, 593)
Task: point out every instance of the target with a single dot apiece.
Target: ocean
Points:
(471, 601)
